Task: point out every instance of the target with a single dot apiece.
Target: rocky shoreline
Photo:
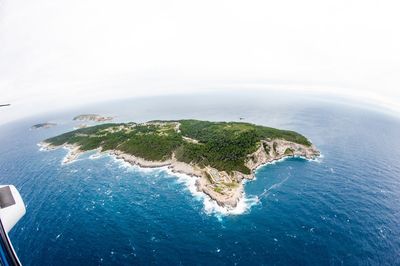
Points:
(43, 125)
(93, 117)
(224, 188)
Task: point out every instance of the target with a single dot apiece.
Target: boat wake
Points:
(265, 193)
(210, 207)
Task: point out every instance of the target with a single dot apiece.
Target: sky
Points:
(59, 54)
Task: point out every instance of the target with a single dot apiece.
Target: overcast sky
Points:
(56, 53)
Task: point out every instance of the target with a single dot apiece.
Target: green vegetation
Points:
(204, 130)
(289, 151)
(222, 145)
(274, 146)
(43, 125)
(267, 148)
(218, 190)
(209, 178)
(231, 185)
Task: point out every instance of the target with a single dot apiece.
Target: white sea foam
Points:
(211, 207)
(318, 159)
(66, 159)
(133, 167)
(243, 206)
(42, 147)
(95, 156)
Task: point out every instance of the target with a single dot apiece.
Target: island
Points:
(93, 117)
(43, 125)
(81, 126)
(220, 155)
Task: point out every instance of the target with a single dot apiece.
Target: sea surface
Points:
(342, 209)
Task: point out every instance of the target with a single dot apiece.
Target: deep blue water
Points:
(342, 210)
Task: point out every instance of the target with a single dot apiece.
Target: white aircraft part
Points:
(12, 207)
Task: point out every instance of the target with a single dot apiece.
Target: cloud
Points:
(57, 53)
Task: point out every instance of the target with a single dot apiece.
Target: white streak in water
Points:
(211, 207)
(274, 186)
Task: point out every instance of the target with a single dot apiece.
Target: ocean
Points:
(341, 209)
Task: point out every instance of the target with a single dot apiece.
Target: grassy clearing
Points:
(222, 145)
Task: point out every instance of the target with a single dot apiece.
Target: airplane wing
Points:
(12, 208)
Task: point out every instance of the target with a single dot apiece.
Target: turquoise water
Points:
(342, 209)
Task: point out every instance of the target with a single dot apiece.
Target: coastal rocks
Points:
(73, 153)
(93, 117)
(226, 189)
(277, 149)
(191, 147)
(45, 146)
(138, 161)
(80, 126)
(227, 198)
(43, 125)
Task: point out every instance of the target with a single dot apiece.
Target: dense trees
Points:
(222, 145)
